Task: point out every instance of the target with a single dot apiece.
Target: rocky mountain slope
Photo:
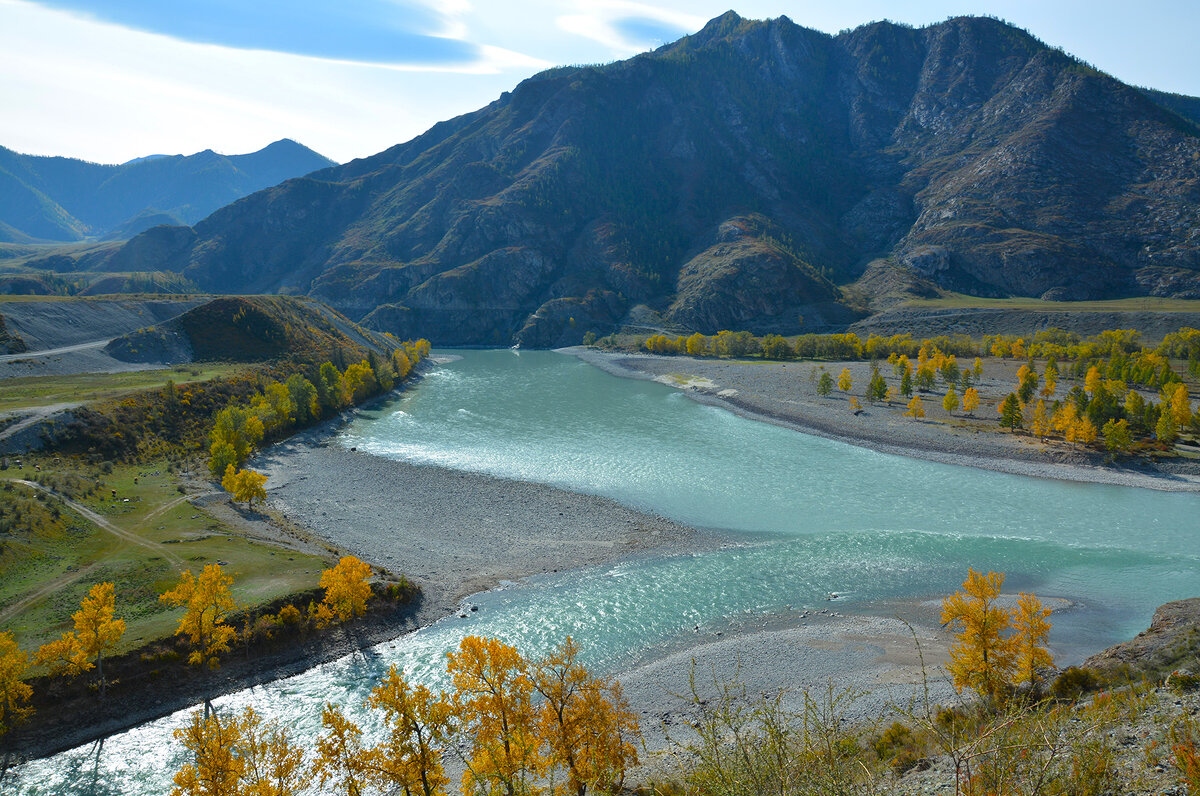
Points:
(730, 179)
(63, 199)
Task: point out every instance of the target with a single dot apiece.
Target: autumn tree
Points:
(950, 401)
(419, 725)
(346, 587)
(97, 627)
(1031, 633)
(207, 603)
(14, 691)
(341, 759)
(696, 345)
(916, 407)
(585, 721)
(970, 400)
(981, 657)
(845, 383)
(1010, 412)
(240, 756)
(493, 695)
(977, 367)
(304, 397)
(1039, 420)
(1092, 380)
(1166, 429)
(244, 485)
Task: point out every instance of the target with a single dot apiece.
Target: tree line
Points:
(208, 605)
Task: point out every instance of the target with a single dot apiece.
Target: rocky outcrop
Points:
(1172, 641)
(967, 154)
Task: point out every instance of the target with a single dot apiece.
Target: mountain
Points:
(729, 180)
(63, 199)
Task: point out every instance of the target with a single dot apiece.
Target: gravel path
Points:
(783, 393)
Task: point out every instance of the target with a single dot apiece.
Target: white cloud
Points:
(82, 88)
(596, 20)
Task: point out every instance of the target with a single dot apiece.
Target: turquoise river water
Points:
(805, 517)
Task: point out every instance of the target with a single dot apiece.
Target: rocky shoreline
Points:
(783, 394)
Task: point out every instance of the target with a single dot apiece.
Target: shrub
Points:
(1074, 683)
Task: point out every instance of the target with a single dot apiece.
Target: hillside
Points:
(63, 199)
(733, 178)
(248, 329)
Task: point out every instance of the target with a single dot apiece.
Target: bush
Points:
(1074, 683)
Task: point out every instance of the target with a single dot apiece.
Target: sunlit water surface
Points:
(805, 517)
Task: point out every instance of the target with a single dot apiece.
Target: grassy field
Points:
(42, 584)
(1140, 304)
(33, 391)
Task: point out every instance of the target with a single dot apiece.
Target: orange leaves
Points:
(419, 724)
(346, 588)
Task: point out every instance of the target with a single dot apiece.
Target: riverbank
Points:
(783, 393)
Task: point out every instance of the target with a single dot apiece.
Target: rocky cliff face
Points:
(725, 180)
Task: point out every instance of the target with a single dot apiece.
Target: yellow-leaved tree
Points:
(916, 407)
(1031, 632)
(986, 657)
(14, 691)
(419, 724)
(982, 656)
(97, 630)
(970, 400)
(493, 697)
(244, 485)
(97, 627)
(207, 603)
(588, 728)
(240, 755)
(346, 587)
(341, 757)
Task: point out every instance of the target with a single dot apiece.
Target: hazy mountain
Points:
(63, 199)
(724, 180)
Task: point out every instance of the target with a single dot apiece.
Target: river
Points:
(806, 517)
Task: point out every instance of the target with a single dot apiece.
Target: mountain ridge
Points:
(967, 153)
(49, 198)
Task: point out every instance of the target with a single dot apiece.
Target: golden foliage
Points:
(1031, 634)
(981, 658)
(244, 485)
(970, 400)
(240, 757)
(346, 587)
(916, 407)
(207, 602)
(419, 724)
(845, 382)
(493, 696)
(14, 691)
(588, 726)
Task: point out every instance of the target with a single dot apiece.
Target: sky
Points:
(111, 80)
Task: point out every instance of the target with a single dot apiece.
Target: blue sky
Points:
(117, 79)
